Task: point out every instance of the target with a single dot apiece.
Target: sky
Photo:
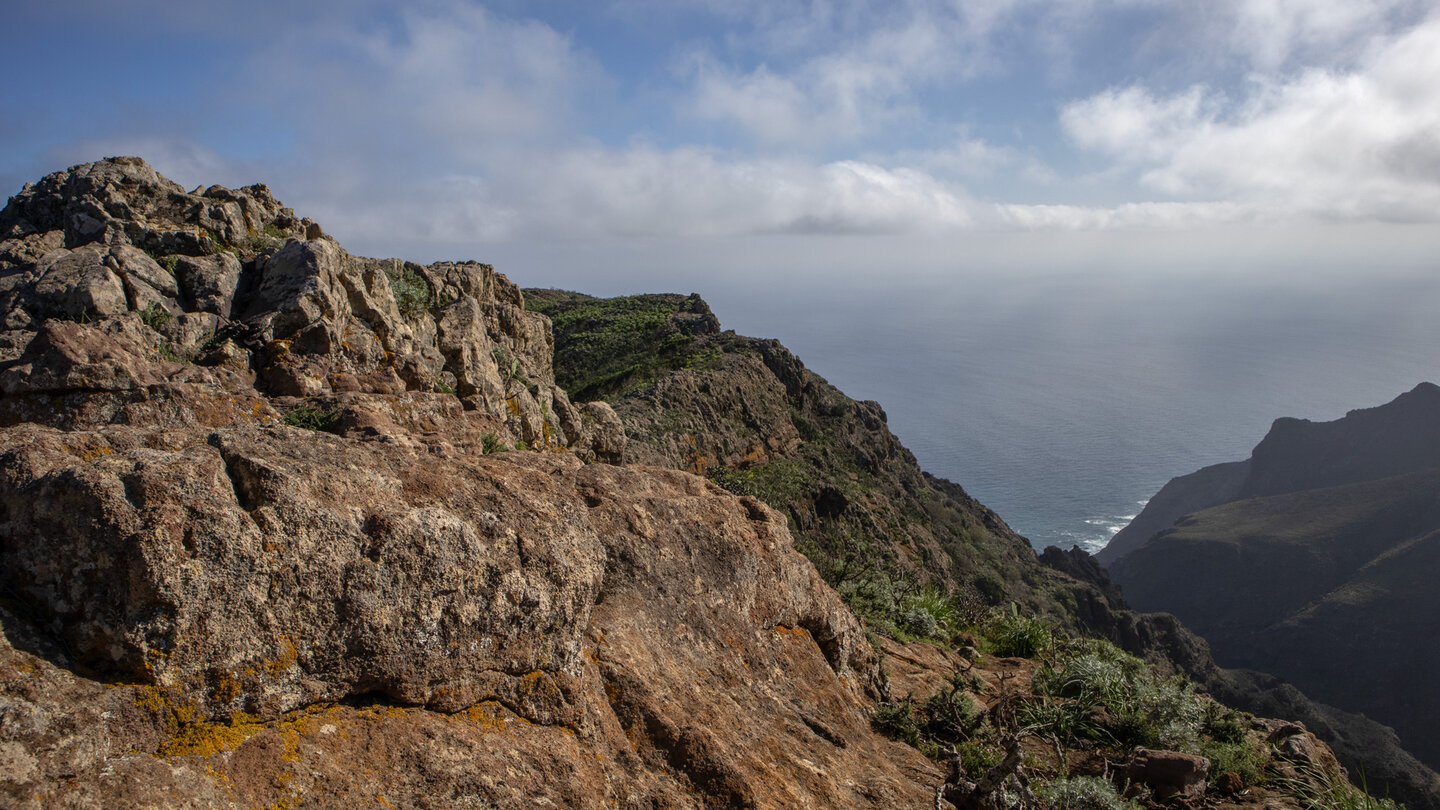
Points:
(878, 183)
(438, 125)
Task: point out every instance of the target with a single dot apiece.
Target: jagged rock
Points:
(286, 300)
(207, 607)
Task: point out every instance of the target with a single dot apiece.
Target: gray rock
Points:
(208, 283)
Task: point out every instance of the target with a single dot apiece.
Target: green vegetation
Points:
(155, 316)
(490, 443)
(1082, 793)
(1325, 789)
(411, 290)
(509, 365)
(310, 417)
(614, 346)
(1011, 634)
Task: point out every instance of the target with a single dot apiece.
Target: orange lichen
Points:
(491, 717)
(289, 656)
(187, 732)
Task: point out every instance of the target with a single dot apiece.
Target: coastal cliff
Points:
(1316, 564)
(281, 527)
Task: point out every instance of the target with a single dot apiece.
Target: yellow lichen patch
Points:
(513, 404)
(308, 720)
(794, 632)
(289, 656)
(187, 731)
(491, 717)
(223, 686)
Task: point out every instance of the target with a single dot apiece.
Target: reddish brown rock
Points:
(1169, 773)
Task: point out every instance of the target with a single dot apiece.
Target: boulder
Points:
(1169, 773)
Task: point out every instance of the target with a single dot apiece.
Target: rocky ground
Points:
(284, 527)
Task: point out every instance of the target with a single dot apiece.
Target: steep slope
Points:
(1202, 489)
(752, 417)
(259, 548)
(207, 606)
(1316, 568)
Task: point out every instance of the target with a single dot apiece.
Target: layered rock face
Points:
(206, 606)
(1318, 564)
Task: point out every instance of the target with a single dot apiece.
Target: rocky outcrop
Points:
(249, 557)
(748, 413)
(259, 545)
(230, 279)
(1317, 566)
(599, 634)
(752, 417)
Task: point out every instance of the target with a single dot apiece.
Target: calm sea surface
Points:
(1064, 403)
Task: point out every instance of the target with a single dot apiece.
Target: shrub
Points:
(411, 290)
(1011, 634)
(489, 443)
(1143, 708)
(1082, 793)
(312, 418)
(949, 714)
(976, 758)
(155, 316)
(1324, 789)
(897, 720)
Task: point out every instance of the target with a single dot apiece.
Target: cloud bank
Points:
(463, 122)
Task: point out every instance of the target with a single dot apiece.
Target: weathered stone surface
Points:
(1170, 773)
(207, 607)
(635, 635)
(287, 301)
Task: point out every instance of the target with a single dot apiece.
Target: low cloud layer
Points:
(456, 122)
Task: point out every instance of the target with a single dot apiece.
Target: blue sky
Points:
(822, 129)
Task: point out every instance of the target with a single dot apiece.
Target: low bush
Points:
(312, 418)
(1011, 634)
(1082, 793)
(411, 290)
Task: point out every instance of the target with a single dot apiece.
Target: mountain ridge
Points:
(283, 526)
(1317, 552)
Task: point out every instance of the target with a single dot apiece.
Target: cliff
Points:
(1317, 566)
(283, 527)
(210, 602)
(886, 535)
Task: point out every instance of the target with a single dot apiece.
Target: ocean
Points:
(1062, 379)
(1064, 402)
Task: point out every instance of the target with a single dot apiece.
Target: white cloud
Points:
(444, 75)
(1328, 143)
(1274, 34)
(647, 192)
